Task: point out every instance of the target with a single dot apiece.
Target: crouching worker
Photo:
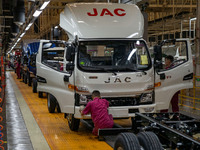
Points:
(99, 112)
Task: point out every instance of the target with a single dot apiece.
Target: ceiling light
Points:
(22, 35)
(30, 24)
(28, 27)
(18, 39)
(192, 19)
(44, 5)
(37, 13)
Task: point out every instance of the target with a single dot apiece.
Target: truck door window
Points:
(113, 55)
(54, 58)
(178, 51)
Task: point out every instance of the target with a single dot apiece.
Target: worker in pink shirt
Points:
(99, 112)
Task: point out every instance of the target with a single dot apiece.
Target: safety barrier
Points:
(191, 97)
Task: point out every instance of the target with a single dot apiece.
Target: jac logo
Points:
(117, 79)
(105, 11)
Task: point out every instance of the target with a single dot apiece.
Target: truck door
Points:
(51, 72)
(177, 76)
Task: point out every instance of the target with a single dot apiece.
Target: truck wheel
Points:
(40, 94)
(25, 79)
(51, 103)
(34, 86)
(126, 141)
(73, 122)
(29, 81)
(149, 141)
(22, 77)
(58, 108)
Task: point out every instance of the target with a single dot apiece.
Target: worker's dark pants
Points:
(174, 103)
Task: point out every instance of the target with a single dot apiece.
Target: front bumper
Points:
(121, 112)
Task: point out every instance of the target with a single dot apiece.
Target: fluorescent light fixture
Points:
(22, 35)
(192, 19)
(44, 5)
(28, 27)
(131, 54)
(37, 13)
(30, 24)
(18, 39)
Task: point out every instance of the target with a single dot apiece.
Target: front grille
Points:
(133, 110)
(123, 101)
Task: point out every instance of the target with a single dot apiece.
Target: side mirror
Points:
(70, 53)
(157, 53)
(157, 56)
(162, 76)
(70, 67)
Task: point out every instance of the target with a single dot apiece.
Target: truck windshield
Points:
(129, 55)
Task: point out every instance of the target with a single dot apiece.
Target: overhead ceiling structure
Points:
(6, 19)
(166, 19)
(170, 18)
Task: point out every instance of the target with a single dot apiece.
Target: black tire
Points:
(51, 103)
(34, 86)
(28, 78)
(73, 122)
(149, 141)
(22, 77)
(40, 94)
(58, 108)
(126, 141)
(29, 81)
(25, 79)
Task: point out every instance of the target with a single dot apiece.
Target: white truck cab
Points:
(106, 52)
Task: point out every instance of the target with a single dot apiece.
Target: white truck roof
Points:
(102, 20)
(55, 48)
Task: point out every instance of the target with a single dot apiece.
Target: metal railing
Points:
(191, 97)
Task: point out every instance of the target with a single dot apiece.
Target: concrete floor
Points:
(23, 132)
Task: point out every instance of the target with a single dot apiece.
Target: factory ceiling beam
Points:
(11, 17)
(171, 6)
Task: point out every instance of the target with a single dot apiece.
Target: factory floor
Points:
(31, 126)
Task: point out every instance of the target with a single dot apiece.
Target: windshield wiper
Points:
(133, 69)
(109, 70)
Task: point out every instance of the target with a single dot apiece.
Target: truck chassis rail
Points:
(174, 130)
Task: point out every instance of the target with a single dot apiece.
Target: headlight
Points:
(83, 99)
(82, 89)
(78, 88)
(146, 98)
